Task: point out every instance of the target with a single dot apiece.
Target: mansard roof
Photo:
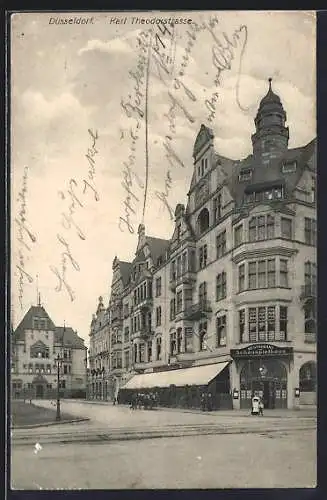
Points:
(266, 175)
(261, 174)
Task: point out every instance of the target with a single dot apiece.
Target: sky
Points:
(80, 107)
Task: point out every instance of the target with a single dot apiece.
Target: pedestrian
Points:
(203, 402)
(261, 407)
(255, 405)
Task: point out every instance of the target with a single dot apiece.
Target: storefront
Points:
(183, 387)
(263, 369)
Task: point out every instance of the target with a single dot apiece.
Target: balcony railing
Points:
(198, 311)
(146, 303)
(144, 332)
(310, 338)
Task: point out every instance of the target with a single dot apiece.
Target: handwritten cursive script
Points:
(74, 195)
(26, 239)
(135, 109)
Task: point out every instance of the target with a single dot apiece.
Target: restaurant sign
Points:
(261, 350)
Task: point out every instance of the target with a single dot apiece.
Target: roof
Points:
(71, 338)
(68, 337)
(158, 247)
(267, 175)
(196, 375)
(125, 271)
(27, 321)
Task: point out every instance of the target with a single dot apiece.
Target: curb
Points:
(48, 424)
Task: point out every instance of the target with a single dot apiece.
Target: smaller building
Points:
(35, 346)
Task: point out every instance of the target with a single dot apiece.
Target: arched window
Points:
(203, 221)
(308, 377)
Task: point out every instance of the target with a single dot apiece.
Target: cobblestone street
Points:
(285, 441)
(188, 462)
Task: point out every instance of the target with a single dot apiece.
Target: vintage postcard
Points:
(163, 236)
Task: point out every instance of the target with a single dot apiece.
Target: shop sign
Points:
(261, 350)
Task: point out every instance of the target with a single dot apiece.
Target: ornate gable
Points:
(204, 136)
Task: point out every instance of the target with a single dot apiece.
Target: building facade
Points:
(35, 346)
(229, 302)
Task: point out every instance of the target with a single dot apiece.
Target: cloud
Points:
(116, 45)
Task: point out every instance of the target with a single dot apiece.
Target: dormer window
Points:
(259, 195)
(289, 167)
(245, 175)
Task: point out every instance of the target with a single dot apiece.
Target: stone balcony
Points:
(196, 311)
(187, 278)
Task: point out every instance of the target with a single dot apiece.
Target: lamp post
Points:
(58, 360)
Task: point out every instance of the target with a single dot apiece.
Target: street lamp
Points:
(58, 360)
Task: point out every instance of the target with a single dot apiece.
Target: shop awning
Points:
(197, 375)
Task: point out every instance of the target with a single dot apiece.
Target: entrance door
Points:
(269, 394)
(39, 391)
(268, 379)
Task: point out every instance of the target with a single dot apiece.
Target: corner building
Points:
(228, 305)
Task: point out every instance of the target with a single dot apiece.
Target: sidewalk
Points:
(303, 412)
